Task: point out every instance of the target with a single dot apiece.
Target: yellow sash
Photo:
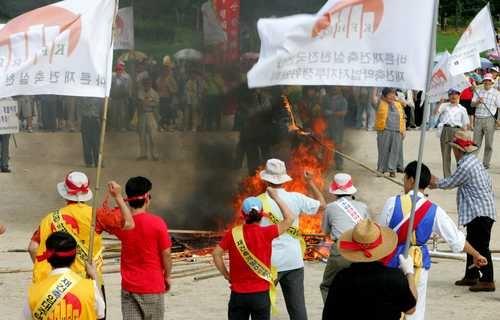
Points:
(292, 231)
(257, 266)
(54, 295)
(81, 250)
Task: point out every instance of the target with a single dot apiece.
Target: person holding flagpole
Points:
(429, 219)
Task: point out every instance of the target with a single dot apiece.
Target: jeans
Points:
(478, 235)
(243, 305)
(292, 285)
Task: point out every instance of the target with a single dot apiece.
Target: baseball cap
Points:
(453, 90)
(251, 203)
(495, 68)
(488, 76)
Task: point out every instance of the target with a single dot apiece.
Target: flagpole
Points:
(423, 128)
(494, 31)
(101, 153)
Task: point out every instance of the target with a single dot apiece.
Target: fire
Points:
(312, 156)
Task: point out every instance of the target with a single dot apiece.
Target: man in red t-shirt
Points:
(146, 263)
(250, 285)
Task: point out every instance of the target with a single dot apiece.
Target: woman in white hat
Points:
(341, 215)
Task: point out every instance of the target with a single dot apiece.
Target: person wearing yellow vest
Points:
(390, 124)
(251, 276)
(75, 219)
(288, 248)
(429, 219)
(64, 294)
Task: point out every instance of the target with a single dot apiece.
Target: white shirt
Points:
(443, 225)
(100, 306)
(453, 115)
(287, 254)
(491, 99)
(336, 221)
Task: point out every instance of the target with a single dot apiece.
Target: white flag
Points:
(64, 49)
(478, 37)
(349, 42)
(124, 29)
(442, 80)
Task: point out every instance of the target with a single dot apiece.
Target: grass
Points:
(447, 40)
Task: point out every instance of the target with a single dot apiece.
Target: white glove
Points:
(406, 264)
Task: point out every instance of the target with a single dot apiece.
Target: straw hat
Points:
(275, 172)
(75, 187)
(462, 141)
(367, 242)
(342, 184)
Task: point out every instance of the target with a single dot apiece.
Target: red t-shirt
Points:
(259, 242)
(141, 257)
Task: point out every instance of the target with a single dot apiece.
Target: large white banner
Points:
(64, 48)
(349, 42)
(124, 29)
(478, 37)
(9, 122)
(442, 80)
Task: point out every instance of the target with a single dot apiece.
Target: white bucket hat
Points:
(275, 172)
(342, 184)
(75, 187)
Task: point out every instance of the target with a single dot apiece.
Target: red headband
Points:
(463, 143)
(49, 253)
(139, 197)
(344, 187)
(365, 247)
(73, 189)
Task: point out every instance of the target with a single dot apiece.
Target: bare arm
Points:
(288, 216)
(316, 192)
(167, 265)
(479, 260)
(115, 191)
(218, 255)
(32, 249)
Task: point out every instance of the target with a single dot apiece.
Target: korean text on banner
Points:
(348, 42)
(124, 29)
(64, 48)
(442, 80)
(478, 37)
(9, 122)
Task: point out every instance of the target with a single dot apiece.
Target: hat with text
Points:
(367, 242)
(275, 172)
(342, 184)
(75, 187)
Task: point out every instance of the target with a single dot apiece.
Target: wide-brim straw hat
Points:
(75, 187)
(367, 242)
(463, 141)
(275, 172)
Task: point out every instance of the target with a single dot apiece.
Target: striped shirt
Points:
(475, 191)
(491, 99)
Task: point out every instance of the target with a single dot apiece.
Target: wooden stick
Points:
(208, 276)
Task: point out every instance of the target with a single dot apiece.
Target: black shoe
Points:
(5, 170)
(466, 282)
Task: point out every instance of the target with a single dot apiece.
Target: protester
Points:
(452, 118)
(367, 289)
(194, 90)
(145, 261)
(495, 72)
(26, 110)
(250, 246)
(429, 219)
(71, 114)
(77, 298)
(212, 107)
(476, 208)
(405, 97)
(341, 215)
(147, 121)
(75, 219)
(391, 130)
(466, 101)
(309, 106)
(48, 114)
(335, 109)
(121, 92)
(167, 90)
(288, 249)
(486, 101)
(91, 112)
(364, 107)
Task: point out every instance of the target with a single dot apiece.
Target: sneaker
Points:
(466, 282)
(481, 286)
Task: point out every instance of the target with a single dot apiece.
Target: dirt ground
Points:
(42, 159)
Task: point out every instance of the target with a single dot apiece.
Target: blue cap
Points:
(453, 90)
(251, 203)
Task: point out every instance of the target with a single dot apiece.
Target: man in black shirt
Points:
(368, 289)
